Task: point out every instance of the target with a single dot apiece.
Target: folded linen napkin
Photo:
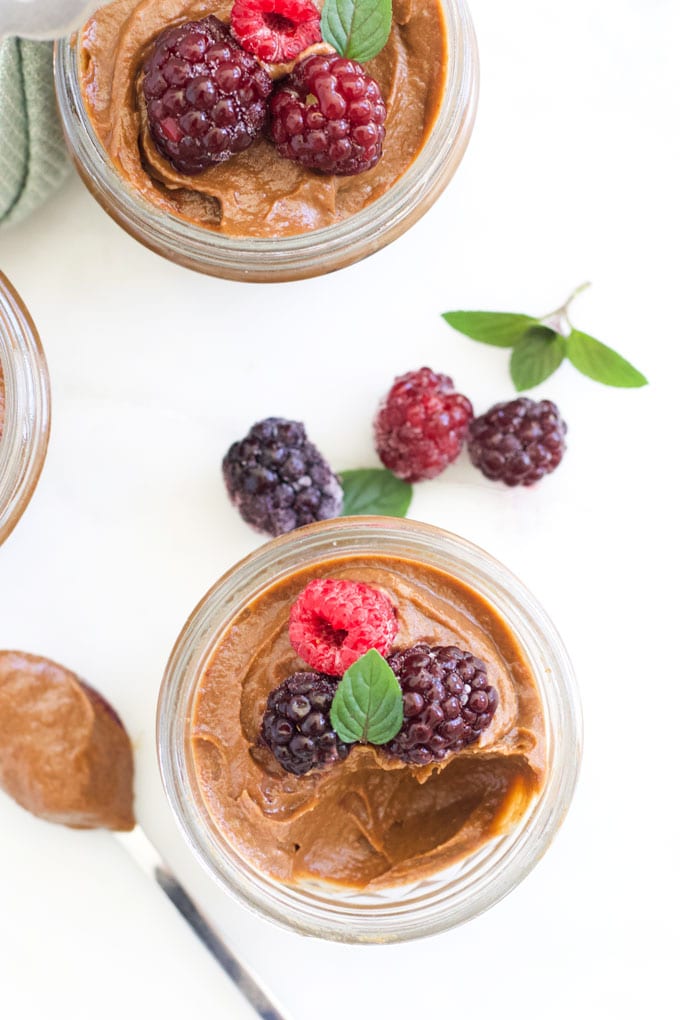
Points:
(33, 158)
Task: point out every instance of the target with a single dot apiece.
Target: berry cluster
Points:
(209, 92)
(447, 699)
(422, 424)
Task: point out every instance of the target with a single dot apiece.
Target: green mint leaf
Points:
(600, 362)
(535, 357)
(357, 29)
(500, 329)
(368, 704)
(375, 491)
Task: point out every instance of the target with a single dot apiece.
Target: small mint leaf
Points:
(500, 329)
(375, 491)
(368, 704)
(600, 362)
(357, 29)
(535, 357)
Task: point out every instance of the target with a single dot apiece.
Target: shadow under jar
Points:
(149, 210)
(364, 850)
(24, 408)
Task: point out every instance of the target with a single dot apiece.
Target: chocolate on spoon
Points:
(64, 753)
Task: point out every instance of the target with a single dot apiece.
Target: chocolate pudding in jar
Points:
(257, 215)
(373, 843)
(24, 407)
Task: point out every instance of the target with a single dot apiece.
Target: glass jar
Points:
(305, 255)
(458, 892)
(26, 424)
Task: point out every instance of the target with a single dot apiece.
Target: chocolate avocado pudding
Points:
(256, 193)
(368, 820)
(64, 753)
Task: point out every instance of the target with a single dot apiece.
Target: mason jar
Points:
(24, 407)
(304, 255)
(457, 892)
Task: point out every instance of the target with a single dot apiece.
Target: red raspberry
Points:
(329, 116)
(276, 31)
(333, 623)
(421, 425)
(205, 96)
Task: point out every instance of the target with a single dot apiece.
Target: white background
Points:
(572, 174)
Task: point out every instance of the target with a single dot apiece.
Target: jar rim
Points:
(27, 415)
(463, 890)
(302, 255)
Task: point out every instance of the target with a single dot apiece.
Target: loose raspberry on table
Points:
(278, 480)
(334, 622)
(329, 116)
(206, 98)
(518, 442)
(276, 31)
(297, 723)
(421, 425)
(448, 702)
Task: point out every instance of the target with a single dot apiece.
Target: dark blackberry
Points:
(296, 725)
(278, 480)
(329, 116)
(421, 425)
(518, 442)
(447, 702)
(206, 98)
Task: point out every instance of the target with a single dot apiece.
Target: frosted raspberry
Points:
(421, 425)
(276, 31)
(333, 623)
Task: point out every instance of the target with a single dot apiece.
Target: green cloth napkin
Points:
(33, 158)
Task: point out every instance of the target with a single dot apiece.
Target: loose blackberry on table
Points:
(206, 98)
(518, 442)
(448, 702)
(278, 480)
(296, 724)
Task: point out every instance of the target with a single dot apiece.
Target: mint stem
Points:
(559, 319)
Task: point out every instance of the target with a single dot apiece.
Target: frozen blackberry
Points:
(278, 480)
(518, 442)
(206, 98)
(329, 116)
(448, 701)
(296, 726)
(421, 425)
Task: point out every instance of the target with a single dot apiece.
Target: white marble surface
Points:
(571, 175)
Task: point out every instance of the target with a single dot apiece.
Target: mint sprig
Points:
(368, 706)
(375, 491)
(540, 345)
(357, 29)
